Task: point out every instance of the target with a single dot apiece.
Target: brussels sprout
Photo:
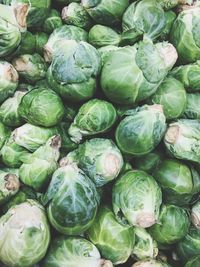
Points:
(22, 196)
(32, 137)
(15, 15)
(114, 241)
(192, 110)
(41, 39)
(141, 131)
(170, 17)
(99, 158)
(194, 262)
(182, 140)
(132, 74)
(72, 251)
(72, 200)
(100, 35)
(131, 205)
(12, 154)
(59, 37)
(145, 247)
(172, 96)
(150, 263)
(75, 14)
(106, 12)
(178, 181)
(185, 34)
(195, 215)
(144, 17)
(30, 67)
(105, 51)
(95, 116)
(10, 38)
(37, 13)
(8, 80)
(190, 245)
(52, 22)
(4, 134)
(172, 226)
(148, 162)
(38, 168)
(9, 184)
(189, 75)
(24, 234)
(78, 83)
(9, 110)
(41, 106)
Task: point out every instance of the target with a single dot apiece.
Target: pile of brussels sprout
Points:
(99, 133)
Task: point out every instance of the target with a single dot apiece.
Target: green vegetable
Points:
(9, 184)
(182, 140)
(72, 200)
(99, 158)
(100, 35)
(94, 117)
(106, 12)
(189, 75)
(8, 80)
(79, 84)
(41, 107)
(189, 246)
(185, 34)
(131, 205)
(172, 226)
(172, 96)
(36, 171)
(32, 137)
(12, 154)
(73, 250)
(59, 37)
(141, 18)
(25, 235)
(52, 22)
(30, 67)
(145, 247)
(75, 14)
(178, 181)
(37, 13)
(114, 241)
(134, 73)
(141, 130)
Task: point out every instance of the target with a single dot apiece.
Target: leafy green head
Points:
(73, 250)
(131, 205)
(25, 234)
(78, 84)
(94, 117)
(141, 130)
(42, 107)
(114, 241)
